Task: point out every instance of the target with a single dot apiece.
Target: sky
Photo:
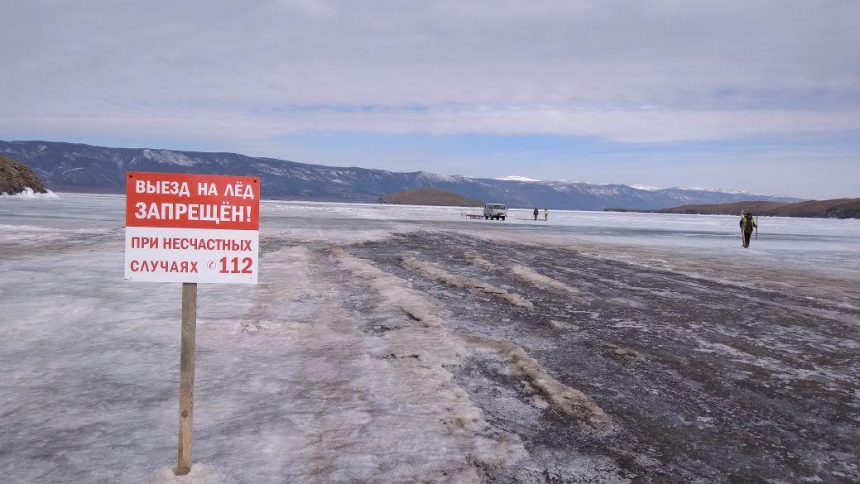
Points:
(762, 96)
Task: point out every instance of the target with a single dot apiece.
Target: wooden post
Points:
(186, 376)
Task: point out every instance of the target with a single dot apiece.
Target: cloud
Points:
(630, 71)
(630, 126)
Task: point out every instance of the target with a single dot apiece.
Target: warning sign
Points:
(192, 228)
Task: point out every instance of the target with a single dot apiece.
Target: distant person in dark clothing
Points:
(747, 226)
(535, 213)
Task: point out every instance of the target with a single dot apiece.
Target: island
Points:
(430, 196)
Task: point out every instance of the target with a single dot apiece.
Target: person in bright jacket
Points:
(747, 224)
(545, 214)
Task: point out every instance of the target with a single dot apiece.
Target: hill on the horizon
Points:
(85, 168)
(430, 196)
(734, 208)
(837, 208)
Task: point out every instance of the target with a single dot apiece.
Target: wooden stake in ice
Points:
(186, 376)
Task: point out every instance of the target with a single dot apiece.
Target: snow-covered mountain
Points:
(517, 178)
(85, 168)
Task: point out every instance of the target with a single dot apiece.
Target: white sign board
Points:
(192, 228)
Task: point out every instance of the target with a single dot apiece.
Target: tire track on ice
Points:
(310, 395)
(580, 414)
(420, 348)
(705, 379)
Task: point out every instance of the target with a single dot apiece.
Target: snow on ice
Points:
(29, 193)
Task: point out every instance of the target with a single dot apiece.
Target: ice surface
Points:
(456, 280)
(333, 369)
(562, 397)
(533, 277)
(200, 474)
(289, 387)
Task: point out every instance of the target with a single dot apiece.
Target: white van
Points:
(495, 211)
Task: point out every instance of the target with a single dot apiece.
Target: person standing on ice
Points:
(747, 225)
(545, 214)
(535, 212)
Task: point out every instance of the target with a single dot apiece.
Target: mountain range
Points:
(83, 168)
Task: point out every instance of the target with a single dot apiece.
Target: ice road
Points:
(404, 344)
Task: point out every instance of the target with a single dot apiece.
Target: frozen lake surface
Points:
(391, 343)
(828, 245)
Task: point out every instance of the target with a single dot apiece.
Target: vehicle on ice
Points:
(495, 211)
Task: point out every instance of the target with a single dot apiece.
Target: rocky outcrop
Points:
(15, 177)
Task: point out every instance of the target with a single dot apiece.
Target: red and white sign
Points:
(192, 228)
